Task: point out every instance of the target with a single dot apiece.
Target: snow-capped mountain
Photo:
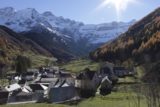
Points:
(69, 32)
(104, 32)
(20, 20)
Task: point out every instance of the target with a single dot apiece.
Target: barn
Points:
(87, 83)
(61, 92)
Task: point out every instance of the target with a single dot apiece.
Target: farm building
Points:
(24, 95)
(46, 80)
(29, 76)
(121, 71)
(107, 71)
(106, 86)
(61, 92)
(20, 96)
(87, 83)
(38, 87)
(13, 87)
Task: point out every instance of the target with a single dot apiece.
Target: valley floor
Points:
(76, 66)
(127, 93)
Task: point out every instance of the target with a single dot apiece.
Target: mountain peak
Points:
(7, 8)
(30, 13)
(48, 13)
(30, 10)
(7, 11)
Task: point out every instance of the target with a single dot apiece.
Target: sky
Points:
(88, 11)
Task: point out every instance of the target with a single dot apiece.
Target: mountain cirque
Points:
(60, 35)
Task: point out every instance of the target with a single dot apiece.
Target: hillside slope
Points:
(140, 45)
(51, 42)
(141, 42)
(12, 44)
(19, 41)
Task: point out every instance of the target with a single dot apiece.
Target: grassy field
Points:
(79, 65)
(3, 82)
(39, 60)
(116, 99)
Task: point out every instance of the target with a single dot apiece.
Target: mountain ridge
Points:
(12, 45)
(138, 47)
(69, 31)
(140, 38)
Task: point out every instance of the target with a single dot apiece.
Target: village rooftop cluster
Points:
(55, 85)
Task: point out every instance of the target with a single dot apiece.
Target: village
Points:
(59, 86)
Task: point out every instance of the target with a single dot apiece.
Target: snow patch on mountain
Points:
(26, 19)
(104, 32)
